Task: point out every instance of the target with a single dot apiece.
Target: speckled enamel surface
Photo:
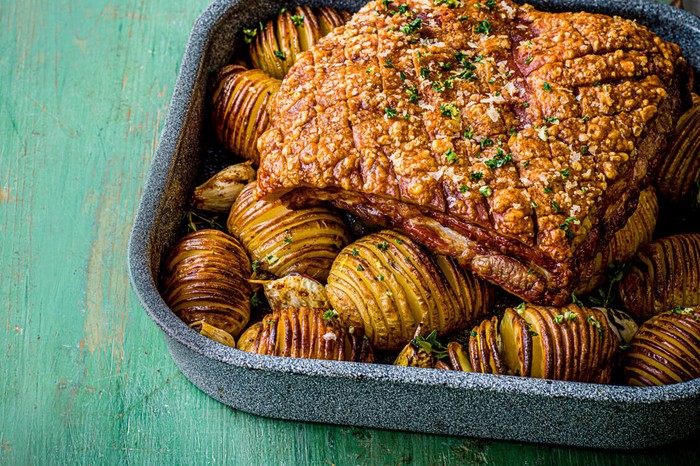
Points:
(382, 396)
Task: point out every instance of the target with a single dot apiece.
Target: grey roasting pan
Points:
(419, 400)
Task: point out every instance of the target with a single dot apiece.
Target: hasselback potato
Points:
(664, 274)
(625, 243)
(282, 241)
(665, 350)
(206, 280)
(219, 192)
(678, 176)
(239, 110)
(275, 48)
(388, 284)
(570, 343)
(306, 333)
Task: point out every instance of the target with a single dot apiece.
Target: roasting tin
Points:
(383, 396)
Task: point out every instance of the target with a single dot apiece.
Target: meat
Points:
(514, 140)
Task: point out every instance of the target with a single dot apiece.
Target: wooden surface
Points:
(85, 377)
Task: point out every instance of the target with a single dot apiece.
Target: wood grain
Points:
(85, 377)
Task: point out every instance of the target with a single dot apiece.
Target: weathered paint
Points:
(85, 377)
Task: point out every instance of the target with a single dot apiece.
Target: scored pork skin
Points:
(513, 139)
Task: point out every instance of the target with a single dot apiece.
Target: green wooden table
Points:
(85, 377)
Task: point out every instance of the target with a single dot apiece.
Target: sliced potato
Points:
(206, 277)
(240, 115)
(664, 274)
(276, 47)
(637, 232)
(665, 350)
(284, 241)
(388, 284)
(306, 333)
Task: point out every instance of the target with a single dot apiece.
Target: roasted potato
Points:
(306, 333)
(220, 191)
(664, 274)
(624, 245)
(388, 284)
(665, 350)
(206, 280)
(283, 241)
(239, 108)
(571, 343)
(275, 48)
(678, 177)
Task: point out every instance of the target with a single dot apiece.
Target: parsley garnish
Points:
(390, 112)
(486, 142)
(382, 246)
(499, 160)
(249, 34)
(412, 27)
(469, 133)
(451, 156)
(298, 20)
(449, 110)
(476, 176)
(483, 27)
(486, 190)
(279, 55)
(547, 87)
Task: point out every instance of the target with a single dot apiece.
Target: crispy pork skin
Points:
(512, 139)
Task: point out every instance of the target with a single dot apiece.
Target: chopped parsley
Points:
(564, 173)
(463, 189)
(486, 142)
(555, 206)
(529, 59)
(298, 20)
(449, 111)
(360, 268)
(388, 64)
(499, 160)
(413, 95)
(469, 133)
(551, 119)
(584, 149)
(383, 246)
(476, 176)
(380, 277)
(425, 72)
(451, 156)
(447, 3)
(483, 27)
(486, 190)
(567, 229)
(279, 55)
(412, 27)
(547, 87)
(330, 314)
(249, 34)
(355, 252)
(390, 112)
(548, 190)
